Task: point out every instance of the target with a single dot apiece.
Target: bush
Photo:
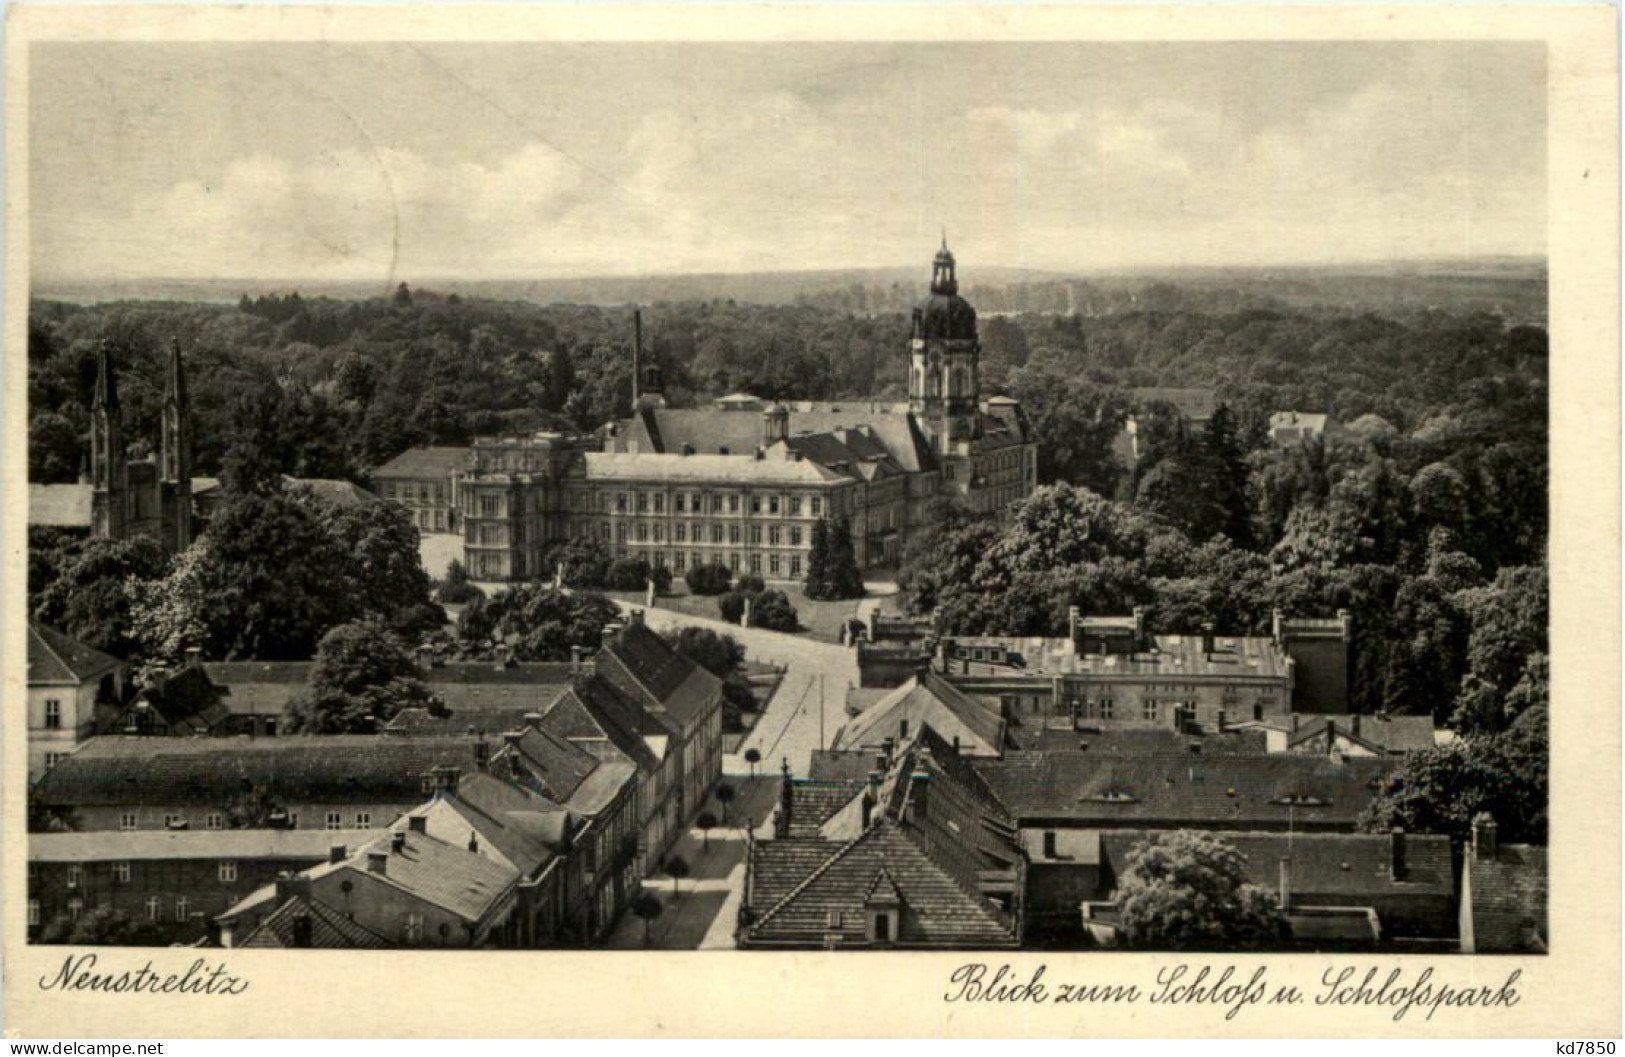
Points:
(627, 574)
(751, 584)
(662, 578)
(710, 579)
(718, 654)
(457, 594)
(417, 621)
(772, 610)
(732, 606)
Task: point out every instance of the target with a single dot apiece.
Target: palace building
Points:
(743, 482)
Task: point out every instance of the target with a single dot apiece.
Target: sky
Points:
(495, 161)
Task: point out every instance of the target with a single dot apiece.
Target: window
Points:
(152, 908)
(33, 911)
(363, 820)
(75, 905)
(677, 561)
(53, 714)
(716, 533)
(795, 565)
(716, 504)
(412, 929)
(127, 820)
(733, 533)
(773, 504)
(1106, 708)
(643, 503)
(756, 535)
(215, 822)
(755, 563)
(795, 535)
(1151, 710)
(75, 874)
(817, 507)
(677, 503)
(795, 506)
(334, 821)
(733, 562)
(52, 759)
(660, 532)
(182, 910)
(620, 502)
(773, 565)
(679, 534)
(228, 872)
(489, 506)
(774, 535)
(121, 873)
(755, 504)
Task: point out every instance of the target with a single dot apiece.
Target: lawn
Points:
(819, 619)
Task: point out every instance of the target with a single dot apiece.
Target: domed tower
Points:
(942, 383)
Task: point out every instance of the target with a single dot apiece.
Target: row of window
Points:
(76, 906)
(74, 875)
(776, 536)
(130, 820)
(406, 493)
(699, 503)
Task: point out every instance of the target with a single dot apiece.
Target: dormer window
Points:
(1302, 800)
(1114, 796)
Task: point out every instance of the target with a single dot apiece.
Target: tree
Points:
(753, 757)
(102, 927)
(712, 579)
(647, 906)
(96, 592)
(676, 868)
(1509, 621)
(362, 677)
(725, 796)
(1440, 790)
(536, 622)
(817, 559)
(732, 606)
(839, 576)
(55, 448)
(265, 582)
(1189, 891)
(384, 566)
(719, 654)
(403, 295)
(706, 822)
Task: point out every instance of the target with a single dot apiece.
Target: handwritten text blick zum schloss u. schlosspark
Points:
(1233, 989)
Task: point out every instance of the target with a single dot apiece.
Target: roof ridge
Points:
(816, 874)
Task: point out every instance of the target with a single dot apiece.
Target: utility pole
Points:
(820, 711)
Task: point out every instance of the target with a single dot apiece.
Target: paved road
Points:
(789, 727)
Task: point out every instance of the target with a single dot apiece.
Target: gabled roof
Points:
(342, 768)
(1507, 898)
(292, 845)
(608, 723)
(329, 928)
(645, 667)
(1236, 791)
(56, 658)
(60, 505)
(425, 462)
(543, 761)
(927, 699)
(1381, 733)
(521, 828)
(708, 430)
(938, 846)
(448, 876)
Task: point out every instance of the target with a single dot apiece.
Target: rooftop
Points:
(425, 462)
(57, 658)
(298, 845)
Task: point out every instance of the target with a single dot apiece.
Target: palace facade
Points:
(743, 482)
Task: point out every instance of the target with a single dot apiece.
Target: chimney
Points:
(303, 928)
(1485, 839)
(635, 618)
(1356, 721)
(337, 853)
(1139, 627)
(1049, 845)
(377, 862)
(1396, 854)
(781, 818)
(1073, 615)
(918, 793)
(418, 824)
(290, 885)
(888, 746)
(637, 357)
(956, 745)
(575, 660)
(533, 720)
(482, 753)
(1331, 737)
(1285, 895)
(1207, 640)
(473, 842)
(512, 738)
(397, 841)
(880, 763)
(688, 449)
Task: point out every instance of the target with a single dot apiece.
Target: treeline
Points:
(327, 388)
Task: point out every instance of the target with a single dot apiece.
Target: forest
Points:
(1426, 519)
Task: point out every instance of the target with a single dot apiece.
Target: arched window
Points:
(933, 385)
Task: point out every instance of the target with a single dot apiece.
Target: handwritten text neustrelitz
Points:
(1233, 989)
(200, 978)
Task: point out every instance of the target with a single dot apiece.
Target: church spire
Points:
(175, 456)
(942, 270)
(106, 396)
